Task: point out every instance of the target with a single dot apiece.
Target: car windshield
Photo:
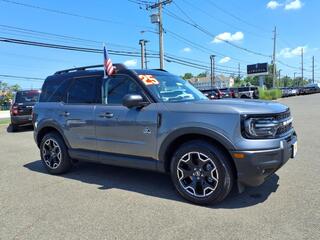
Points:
(27, 96)
(170, 88)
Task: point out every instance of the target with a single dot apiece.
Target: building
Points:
(203, 83)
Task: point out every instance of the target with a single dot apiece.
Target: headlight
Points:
(260, 127)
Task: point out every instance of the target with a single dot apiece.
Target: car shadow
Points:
(154, 184)
(27, 128)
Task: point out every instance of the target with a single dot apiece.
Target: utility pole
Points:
(274, 56)
(212, 60)
(239, 71)
(142, 44)
(279, 81)
(157, 18)
(145, 54)
(294, 78)
(301, 66)
(312, 69)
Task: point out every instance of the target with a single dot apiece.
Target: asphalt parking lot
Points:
(104, 202)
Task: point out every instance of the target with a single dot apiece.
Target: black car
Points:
(21, 110)
(226, 93)
(214, 93)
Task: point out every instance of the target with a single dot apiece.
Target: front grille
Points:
(283, 117)
(283, 129)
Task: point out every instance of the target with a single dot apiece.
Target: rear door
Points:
(121, 130)
(78, 112)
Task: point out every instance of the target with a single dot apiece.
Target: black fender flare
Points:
(214, 135)
(50, 124)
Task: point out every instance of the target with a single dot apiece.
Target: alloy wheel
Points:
(51, 153)
(197, 174)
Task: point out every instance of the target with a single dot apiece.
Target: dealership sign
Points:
(257, 69)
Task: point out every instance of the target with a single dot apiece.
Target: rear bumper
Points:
(21, 120)
(256, 166)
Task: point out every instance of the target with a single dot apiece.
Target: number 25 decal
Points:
(148, 80)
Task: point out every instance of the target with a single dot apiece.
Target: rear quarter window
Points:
(54, 90)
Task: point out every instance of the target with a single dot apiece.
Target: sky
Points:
(246, 24)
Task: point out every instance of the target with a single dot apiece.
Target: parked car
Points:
(234, 92)
(226, 93)
(214, 93)
(248, 92)
(21, 109)
(284, 92)
(128, 119)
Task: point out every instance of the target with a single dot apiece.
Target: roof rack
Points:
(118, 67)
(160, 69)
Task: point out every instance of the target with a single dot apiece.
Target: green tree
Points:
(203, 74)
(7, 91)
(187, 76)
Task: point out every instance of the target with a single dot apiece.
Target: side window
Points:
(115, 88)
(53, 90)
(83, 90)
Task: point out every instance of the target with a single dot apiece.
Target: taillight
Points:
(14, 110)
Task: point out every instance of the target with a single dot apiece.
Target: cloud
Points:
(292, 52)
(224, 60)
(131, 63)
(273, 4)
(293, 5)
(227, 36)
(186, 49)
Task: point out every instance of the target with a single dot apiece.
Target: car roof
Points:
(151, 72)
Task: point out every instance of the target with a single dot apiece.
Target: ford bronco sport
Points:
(151, 119)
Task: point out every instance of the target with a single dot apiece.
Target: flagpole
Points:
(104, 68)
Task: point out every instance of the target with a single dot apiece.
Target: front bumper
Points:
(21, 120)
(257, 165)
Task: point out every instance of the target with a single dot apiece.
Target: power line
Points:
(199, 46)
(111, 52)
(233, 15)
(203, 30)
(21, 77)
(59, 36)
(70, 14)
(194, 6)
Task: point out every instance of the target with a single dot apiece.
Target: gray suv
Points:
(153, 120)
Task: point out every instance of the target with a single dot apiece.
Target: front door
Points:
(121, 130)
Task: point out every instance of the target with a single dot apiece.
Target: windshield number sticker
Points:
(148, 80)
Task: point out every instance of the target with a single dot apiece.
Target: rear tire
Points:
(13, 128)
(201, 172)
(54, 154)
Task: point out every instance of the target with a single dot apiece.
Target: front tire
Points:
(201, 172)
(54, 154)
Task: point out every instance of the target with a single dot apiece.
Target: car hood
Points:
(235, 106)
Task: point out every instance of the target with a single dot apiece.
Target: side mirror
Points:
(133, 100)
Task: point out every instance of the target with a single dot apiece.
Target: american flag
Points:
(108, 67)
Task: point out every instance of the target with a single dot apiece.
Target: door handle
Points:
(106, 115)
(65, 114)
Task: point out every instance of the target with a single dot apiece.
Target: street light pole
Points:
(212, 61)
(274, 57)
(142, 44)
